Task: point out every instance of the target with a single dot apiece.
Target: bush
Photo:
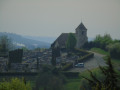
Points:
(14, 84)
(114, 50)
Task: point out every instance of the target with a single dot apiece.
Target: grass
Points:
(74, 83)
(100, 51)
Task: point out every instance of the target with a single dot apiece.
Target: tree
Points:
(5, 44)
(71, 41)
(102, 41)
(110, 81)
(114, 50)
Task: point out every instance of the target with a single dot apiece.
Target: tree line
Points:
(106, 43)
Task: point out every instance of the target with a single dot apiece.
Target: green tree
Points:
(15, 84)
(102, 41)
(110, 80)
(114, 50)
(71, 41)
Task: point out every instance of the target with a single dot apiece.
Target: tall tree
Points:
(71, 41)
(102, 41)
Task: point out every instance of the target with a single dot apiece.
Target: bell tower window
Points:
(82, 32)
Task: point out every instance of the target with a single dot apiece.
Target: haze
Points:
(53, 17)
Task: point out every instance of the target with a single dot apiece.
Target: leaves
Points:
(71, 41)
(14, 84)
(110, 81)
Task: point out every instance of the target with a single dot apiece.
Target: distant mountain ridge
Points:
(41, 38)
(21, 41)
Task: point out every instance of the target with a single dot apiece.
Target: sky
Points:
(53, 17)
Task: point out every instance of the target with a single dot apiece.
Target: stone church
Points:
(81, 36)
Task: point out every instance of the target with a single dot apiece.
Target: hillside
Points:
(41, 38)
(20, 41)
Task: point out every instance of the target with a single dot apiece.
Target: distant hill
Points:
(20, 41)
(44, 39)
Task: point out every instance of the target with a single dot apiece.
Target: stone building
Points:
(81, 36)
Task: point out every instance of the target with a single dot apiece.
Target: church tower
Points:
(81, 35)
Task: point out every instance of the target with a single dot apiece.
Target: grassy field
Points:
(100, 51)
(74, 83)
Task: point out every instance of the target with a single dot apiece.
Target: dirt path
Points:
(91, 63)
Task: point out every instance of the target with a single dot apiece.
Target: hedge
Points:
(81, 59)
(86, 57)
(67, 66)
(18, 74)
(71, 74)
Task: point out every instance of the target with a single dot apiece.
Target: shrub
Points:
(14, 84)
(114, 50)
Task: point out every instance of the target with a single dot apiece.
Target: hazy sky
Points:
(53, 17)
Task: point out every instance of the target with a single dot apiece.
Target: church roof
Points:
(61, 40)
(81, 27)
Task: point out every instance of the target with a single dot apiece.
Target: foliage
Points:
(114, 50)
(84, 85)
(99, 42)
(71, 41)
(110, 81)
(67, 66)
(49, 79)
(15, 84)
(102, 42)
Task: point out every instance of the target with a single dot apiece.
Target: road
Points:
(91, 63)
